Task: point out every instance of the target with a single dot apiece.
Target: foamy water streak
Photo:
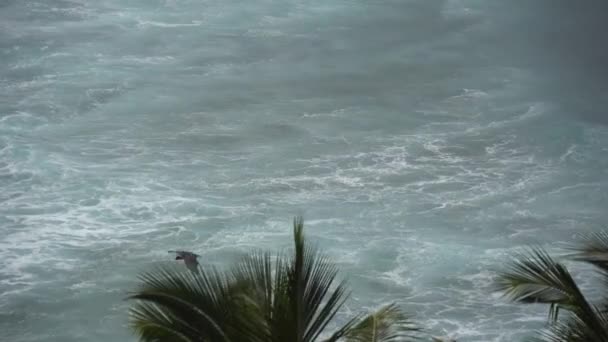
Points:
(423, 141)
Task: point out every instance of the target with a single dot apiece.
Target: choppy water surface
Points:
(423, 141)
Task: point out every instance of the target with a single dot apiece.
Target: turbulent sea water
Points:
(423, 141)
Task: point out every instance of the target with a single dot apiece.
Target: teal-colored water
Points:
(423, 141)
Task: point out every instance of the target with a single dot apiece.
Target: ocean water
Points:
(422, 140)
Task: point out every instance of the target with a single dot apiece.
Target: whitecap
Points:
(146, 23)
(148, 59)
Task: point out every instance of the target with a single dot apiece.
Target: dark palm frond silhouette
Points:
(535, 277)
(260, 299)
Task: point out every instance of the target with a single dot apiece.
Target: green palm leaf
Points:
(255, 272)
(388, 324)
(205, 306)
(260, 299)
(573, 330)
(534, 277)
(305, 293)
(593, 249)
(153, 325)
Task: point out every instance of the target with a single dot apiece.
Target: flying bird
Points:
(190, 259)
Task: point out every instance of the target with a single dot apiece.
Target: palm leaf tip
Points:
(536, 277)
(312, 295)
(593, 249)
(387, 324)
(197, 306)
(298, 230)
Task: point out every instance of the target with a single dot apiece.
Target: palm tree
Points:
(535, 277)
(260, 299)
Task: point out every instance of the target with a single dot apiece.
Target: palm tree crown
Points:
(260, 299)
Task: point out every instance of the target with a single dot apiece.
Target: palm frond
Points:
(343, 330)
(206, 305)
(151, 324)
(593, 248)
(572, 329)
(301, 296)
(534, 277)
(306, 295)
(313, 280)
(254, 277)
(254, 272)
(387, 324)
(258, 300)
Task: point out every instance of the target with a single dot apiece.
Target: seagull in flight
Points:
(190, 259)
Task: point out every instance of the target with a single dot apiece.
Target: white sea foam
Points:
(146, 23)
(418, 163)
(148, 59)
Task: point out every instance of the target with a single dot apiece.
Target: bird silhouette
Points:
(190, 259)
